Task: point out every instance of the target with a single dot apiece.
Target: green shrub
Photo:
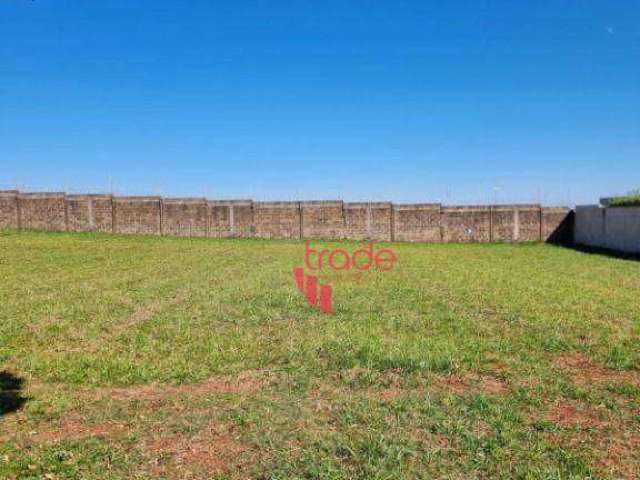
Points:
(631, 199)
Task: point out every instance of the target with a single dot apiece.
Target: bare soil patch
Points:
(472, 384)
(75, 429)
(614, 453)
(143, 313)
(207, 454)
(621, 456)
(245, 382)
(569, 413)
(584, 371)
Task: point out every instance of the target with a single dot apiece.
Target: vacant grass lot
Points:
(138, 357)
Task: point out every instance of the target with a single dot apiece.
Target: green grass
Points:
(152, 357)
(632, 199)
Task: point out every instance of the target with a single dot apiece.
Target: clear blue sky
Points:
(448, 101)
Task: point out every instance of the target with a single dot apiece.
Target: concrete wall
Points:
(590, 227)
(9, 217)
(556, 224)
(139, 215)
(241, 218)
(323, 219)
(529, 218)
(329, 220)
(416, 223)
(42, 211)
(184, 217)
(368, 221)
(230, 218)
(622, 229)
(89, 213)
(614, 228)
(466, 224)
(277, 219)
(515, 223)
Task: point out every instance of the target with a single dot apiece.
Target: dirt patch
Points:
(210, 453)
(584, 371)
(352, 374)
(144, 313)
(75, 429)
(245, 382)
(529, 382)
(472, 384)
(574, 414)
(482, 428)
(613, 453)
(453, 383)
(621, 457)
(493, 385)
(390, 394)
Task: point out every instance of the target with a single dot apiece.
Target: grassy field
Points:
(143, 357)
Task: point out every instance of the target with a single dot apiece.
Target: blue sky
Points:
(408, 101)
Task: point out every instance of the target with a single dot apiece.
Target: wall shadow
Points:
(605, 252)
(563, 234)
(11, 398)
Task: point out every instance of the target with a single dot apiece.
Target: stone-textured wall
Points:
(368, 221)
(9, 209)
(184, 217)
(466, 224)
(515, 223)
(42, 211)
(277, 219)
(529, 218)
(241, 216)
(89, 213)
(230, 218)
(139, 215)
(329, 220)
(323, 219)
(416, 223)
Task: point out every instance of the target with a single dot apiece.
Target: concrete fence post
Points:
(232, 224)
(19, 211)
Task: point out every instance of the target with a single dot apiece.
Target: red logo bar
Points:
(298, 275)
(325, 299)
(312, 290)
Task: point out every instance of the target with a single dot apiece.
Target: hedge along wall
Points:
(316, 219)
